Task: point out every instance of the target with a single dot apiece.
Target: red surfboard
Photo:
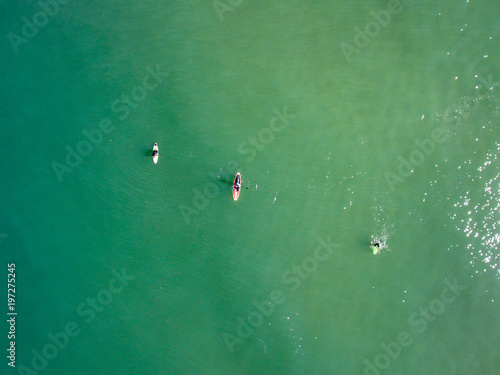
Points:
(237, 186)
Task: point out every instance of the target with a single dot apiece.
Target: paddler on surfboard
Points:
(155, 153)
(237, 186)
(376, 248)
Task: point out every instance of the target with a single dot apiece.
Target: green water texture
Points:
(323, 139)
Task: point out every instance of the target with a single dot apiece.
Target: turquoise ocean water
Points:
(348, 123)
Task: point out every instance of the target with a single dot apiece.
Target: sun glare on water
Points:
(481, 207)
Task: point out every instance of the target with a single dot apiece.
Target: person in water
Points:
(376, 247)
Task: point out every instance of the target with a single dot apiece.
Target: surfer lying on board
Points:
(237, 182)
(376, 247)
(236, 186)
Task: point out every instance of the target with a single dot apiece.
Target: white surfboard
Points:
(156, 153)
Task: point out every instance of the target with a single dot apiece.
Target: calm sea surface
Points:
(350, 122)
